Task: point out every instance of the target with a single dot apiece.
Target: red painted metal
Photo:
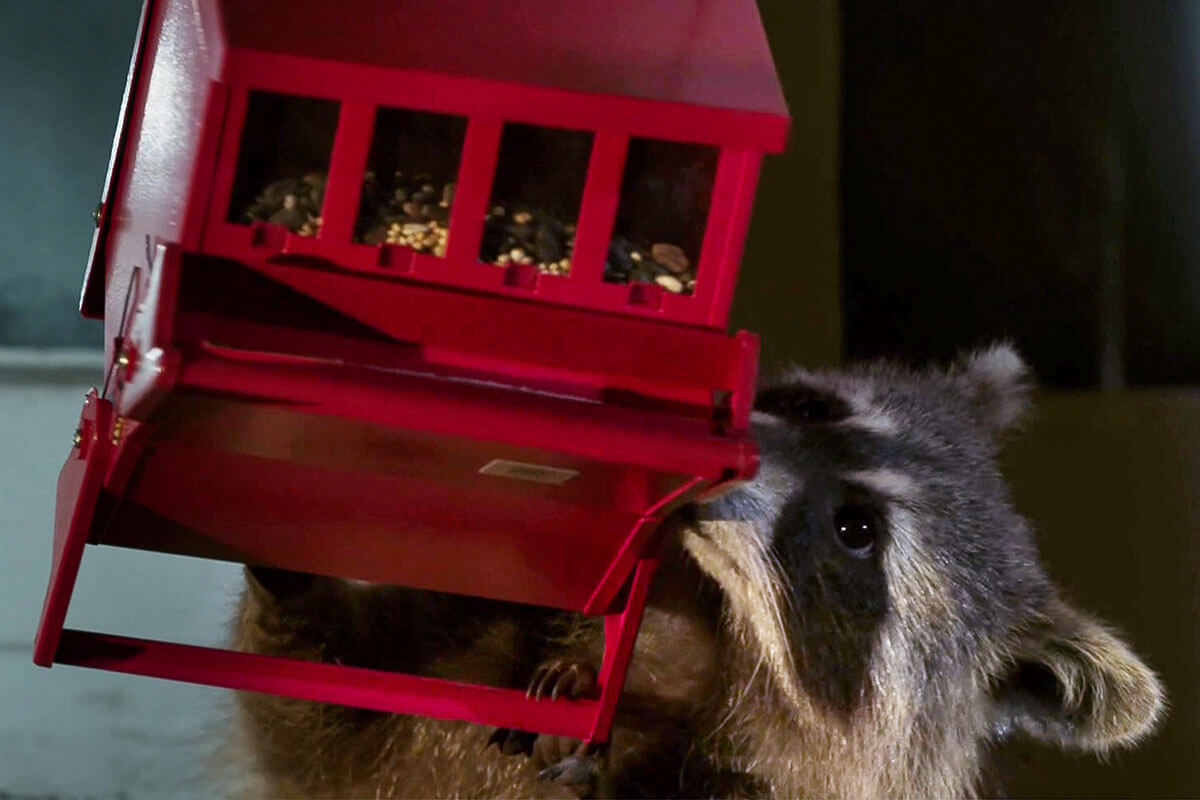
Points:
(327, 683)
(79, 484)
(348, 162)
(599, 208)
(91, 299)
(475, 186)
(620, 635)
(318, 404)
(709, 53)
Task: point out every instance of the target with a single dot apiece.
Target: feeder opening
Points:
(662, 214)
(282, 162)
(536, 194)
(408, 187)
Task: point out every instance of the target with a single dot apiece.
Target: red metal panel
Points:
(162, 172)
(727, 248)
(620, 635)
(331, 683)
(207, 165)
(148, 363)
(487, 413)
(535, 105)
(398, 530)
(601, 195)
(528, 340)
(221, 186)
(694, 52)
(741, 403)
(79, 484)
(91, 300)
(714, 264)
(480, 149)
(245, 425)
(459, 270)
(346, 167)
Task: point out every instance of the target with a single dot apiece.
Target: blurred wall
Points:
(63, 74)
(1112, 483)
(789, 287)
(1029, 170)
(73, 732)
(1025, 169)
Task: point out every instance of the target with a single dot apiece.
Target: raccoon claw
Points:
(568, 762)
(568, 678)
(511, 741)
(579, 773)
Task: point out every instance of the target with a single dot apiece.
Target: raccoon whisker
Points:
(778, 572)
(774, 633)
(735, 705)
(777, 597)
(755, 588)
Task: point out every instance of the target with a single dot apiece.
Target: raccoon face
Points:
(877, 567)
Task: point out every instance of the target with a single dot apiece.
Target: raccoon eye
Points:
(857, 528)
(802, 405)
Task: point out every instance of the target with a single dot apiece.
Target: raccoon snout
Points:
(746, 503)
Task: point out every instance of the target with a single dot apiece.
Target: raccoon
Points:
(865, 618)
(885, 616)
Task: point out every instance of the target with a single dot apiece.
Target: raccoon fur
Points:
(865, 618)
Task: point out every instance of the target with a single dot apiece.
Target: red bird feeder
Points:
(423, 292)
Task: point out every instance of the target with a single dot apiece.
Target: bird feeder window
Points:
(408, 187)
(662, 215)
(535, 200)
(283, 161)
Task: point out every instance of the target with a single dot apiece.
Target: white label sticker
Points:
(522, 471)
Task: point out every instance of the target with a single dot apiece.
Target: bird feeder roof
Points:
(709, 53)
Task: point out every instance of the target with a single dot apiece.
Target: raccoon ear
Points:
(1075, 684)
(997, 382)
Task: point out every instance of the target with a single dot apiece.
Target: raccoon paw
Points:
(568, 762)
(567, 678)
(579, 771)
(571, 763)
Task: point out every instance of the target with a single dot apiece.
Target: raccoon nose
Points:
(740, 503)
(722, 508)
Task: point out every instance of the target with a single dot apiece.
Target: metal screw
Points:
(77, 439)
(123, 359)
(97, 212)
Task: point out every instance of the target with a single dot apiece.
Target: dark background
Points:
(1026, 170)
(956, 172)
(963, 171)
